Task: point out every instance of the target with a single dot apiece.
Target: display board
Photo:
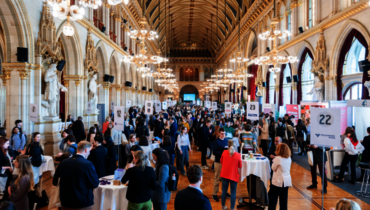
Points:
(111, 105)
(157, 106)
(119, 120)
(214, 105)
(101, 115)
(325, 124)
(128, 103)
(89, 107)
(148, 107)
(228, 107)
(267, 108)
(342, 105)
(189, 97)
(208, 104)
(358, 103)
(293, 109)
(164, 105)
(34, 112)
(252, 110)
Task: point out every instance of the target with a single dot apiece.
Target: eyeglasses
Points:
(222, 133)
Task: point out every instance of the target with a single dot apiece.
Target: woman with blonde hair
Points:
(231, 162)
(23, 184)
(141, 180)
(346, 204)
(281, 179)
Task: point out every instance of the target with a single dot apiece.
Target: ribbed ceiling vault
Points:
(191, 20)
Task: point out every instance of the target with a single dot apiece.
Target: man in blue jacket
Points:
(173, 127)
(192, 197)
(78, 179)
(219, 145)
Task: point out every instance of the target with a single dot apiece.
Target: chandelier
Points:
(143, 58)
(273, 58)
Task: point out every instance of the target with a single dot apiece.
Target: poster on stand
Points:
(101, 115)
(342, 105)
(252, 110)
(282, 111)
(119, 120)
(111, 105)
(228, 107)
(267, 108)
(89, 108)
(157, 106)
(325, 124)
(34, 112)
(293, 109)
(305, 108)
(198, 103)
(208, 104)
(128, 103)
(164, 105)
(358, 103)
(148, 107)
(214, 105)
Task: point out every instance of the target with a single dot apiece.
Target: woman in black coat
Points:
(112, 158)
(365, 158)
(78, 130)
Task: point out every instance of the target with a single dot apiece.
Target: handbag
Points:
(310, 157)
(55, 200)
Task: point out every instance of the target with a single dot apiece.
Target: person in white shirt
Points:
(281, 179)
(353, 147)
(183, 145)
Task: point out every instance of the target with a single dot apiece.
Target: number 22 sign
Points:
(325, 126)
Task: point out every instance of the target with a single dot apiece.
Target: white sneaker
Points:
(225, 207)
(205, 167)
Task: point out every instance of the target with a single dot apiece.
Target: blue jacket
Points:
(218, 148)
(161, 194)
(16, 142)
(173, 129)
(191, 198)
(78, 179)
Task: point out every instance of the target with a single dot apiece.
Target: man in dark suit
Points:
(192, 197)
(78, 179)
(98, 156)
(173, 127)
(206, 135)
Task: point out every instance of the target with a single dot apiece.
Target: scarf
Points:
(353, 143)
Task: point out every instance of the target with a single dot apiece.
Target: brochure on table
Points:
(252, 110)
(325, 124)
(119, 120)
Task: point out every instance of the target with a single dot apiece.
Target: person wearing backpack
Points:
(290, 135)
(301, 137)
(280, 129)
(71, 142)
(161, 195)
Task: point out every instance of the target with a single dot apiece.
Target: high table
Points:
(110, 196)
(260, 168)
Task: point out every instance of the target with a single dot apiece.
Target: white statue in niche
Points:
(52, 89)
(367, 85)
(317, 91)
(93, 92)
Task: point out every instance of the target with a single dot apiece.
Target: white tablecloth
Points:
(110, 196)
(260, 168)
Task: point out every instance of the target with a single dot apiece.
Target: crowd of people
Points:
(85, 157)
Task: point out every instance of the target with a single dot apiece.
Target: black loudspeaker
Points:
(263, 84)
(232, 90)
(295, 78)
(143, 88)
(111, 79)
(106, 78)
(288, 79)
(364, 65)
(224, 91)
(226, 100)
(22, 54)
(133, 54)
(103, 29)
(124, 21)
(159, 92)
(60, 65)
(268, 49)
(125, 49)
(150, 90)
(244, 88)
(129, 27)
(128, 84)
(300, 30)
(137, 39)
(135, 87)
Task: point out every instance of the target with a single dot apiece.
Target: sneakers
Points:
(223, 208)
(228, 195)
(215, 197)
(312, 187)
(205, 167)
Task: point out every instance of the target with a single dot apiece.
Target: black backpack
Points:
(280, 131)
(172, 184)
(271, 129)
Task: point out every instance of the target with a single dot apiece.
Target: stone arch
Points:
(102, 60)
(132, 75)
(72, 45)
(302, 48)
(113, 68)
(249, 44)
(342, 35)
(124, 73)
(17, 29)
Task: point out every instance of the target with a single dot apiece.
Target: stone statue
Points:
(259, 91)
(367, 84)
(93, 92)
(52, 89)
(317, 90)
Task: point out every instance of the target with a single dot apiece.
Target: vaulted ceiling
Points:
(194, 21)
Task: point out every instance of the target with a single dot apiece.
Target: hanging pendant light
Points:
(68, 30)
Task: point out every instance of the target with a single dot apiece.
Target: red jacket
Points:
(231, 165)
(105, 126)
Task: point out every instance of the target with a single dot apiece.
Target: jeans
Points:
(217, 179)
(348, 159)
(159, 206)
(203, 149)
(210, 146)
(225, 186)
(183, 158)
(276, 193)
(314, 175)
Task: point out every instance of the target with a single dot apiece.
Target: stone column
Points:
(118, 96)
(294, 18)
(294, 90)
(106, 17)
(24, 103)
(91, 14)
(277, 96)
(118, 30)
(105, 97)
